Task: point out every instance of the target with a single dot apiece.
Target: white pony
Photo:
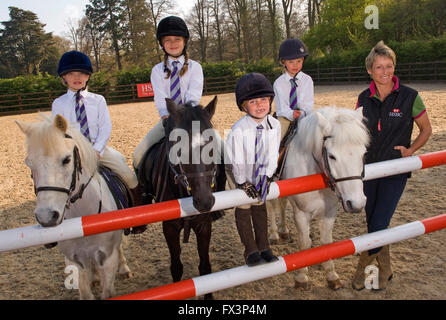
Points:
(64, 169)
(333, 141)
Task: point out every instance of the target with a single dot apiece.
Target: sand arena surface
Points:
(418, 264)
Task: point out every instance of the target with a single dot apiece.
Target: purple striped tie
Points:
(175, 90)
(293, 95)
(259, 178)
(81, 116)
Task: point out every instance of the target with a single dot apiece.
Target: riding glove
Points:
(249, 189)
(268, 182)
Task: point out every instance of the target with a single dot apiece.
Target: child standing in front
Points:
(90, 111)
(252, 149)
(177, 77)
(294, 91)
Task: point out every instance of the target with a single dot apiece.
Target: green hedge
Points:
(407, 52)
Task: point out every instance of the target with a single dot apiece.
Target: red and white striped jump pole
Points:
(120, 219)
(202, 285)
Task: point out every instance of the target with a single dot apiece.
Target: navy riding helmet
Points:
(74, 61)
(252, 85)
(292, 49)
(172, 26)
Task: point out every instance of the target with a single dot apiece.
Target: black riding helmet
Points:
(172, 26)
(252, 85)
(74, 61)
(292, 49)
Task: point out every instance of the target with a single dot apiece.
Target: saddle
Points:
(284, 146)
(151, 166)
(117, 187)
(153, 174)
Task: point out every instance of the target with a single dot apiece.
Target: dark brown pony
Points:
(168, 172)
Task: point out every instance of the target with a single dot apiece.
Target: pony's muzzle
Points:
(47, 217)
(203, 203)
(351, 206)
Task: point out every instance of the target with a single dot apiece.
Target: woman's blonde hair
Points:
(380, 49)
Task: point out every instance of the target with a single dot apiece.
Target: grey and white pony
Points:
(332, 141)
(64, 169)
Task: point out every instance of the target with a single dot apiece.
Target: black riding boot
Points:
(136, 194)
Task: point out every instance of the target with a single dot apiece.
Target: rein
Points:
(77, 171)
(325, 168)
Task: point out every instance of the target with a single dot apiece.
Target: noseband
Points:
(328, 176)
(77, 171)
(182, 177)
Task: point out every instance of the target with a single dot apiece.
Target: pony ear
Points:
(24, 126)
(171, 107)
(360, 110)
(324, 124)
(61, 123)
(210, 108)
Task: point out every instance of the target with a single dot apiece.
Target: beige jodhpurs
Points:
(152, 137)
(114, 160)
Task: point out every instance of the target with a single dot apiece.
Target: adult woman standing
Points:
(390, 109)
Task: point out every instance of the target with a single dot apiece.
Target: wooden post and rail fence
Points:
(41, 101)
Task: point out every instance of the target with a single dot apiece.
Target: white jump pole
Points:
(114, 220)
(202, 285)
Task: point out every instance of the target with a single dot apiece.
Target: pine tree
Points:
(24, 45)
(108, 17)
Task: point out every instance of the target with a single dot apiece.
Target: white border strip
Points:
(236, 276)
(388, 236)
(36, 235)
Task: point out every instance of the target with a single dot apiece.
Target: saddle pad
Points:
(117, 187)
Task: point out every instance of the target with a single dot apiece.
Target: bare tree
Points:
(287, 6)
(157, 9)
(73, 32)
(259, 19)
(218, 20)
(201, 17)
(272, 11)
(234, 15)
(313, 9)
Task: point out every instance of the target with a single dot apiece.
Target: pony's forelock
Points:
(52, 140)
(347, 128)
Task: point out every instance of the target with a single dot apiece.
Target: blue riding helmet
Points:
(252, 85)
(292, 49)
(74, 61)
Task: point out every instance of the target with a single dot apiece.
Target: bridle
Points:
(77, 171)
(326, 170)
(182, 177)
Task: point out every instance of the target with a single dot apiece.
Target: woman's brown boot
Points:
(385, 267)
(359, 278)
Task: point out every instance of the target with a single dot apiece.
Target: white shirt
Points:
(98, 117)
(240, 147)
(304, 91)
(191, 84)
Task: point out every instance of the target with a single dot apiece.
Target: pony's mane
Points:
(51, 139)
(347, 128)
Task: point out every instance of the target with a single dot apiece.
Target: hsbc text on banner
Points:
(145, 90)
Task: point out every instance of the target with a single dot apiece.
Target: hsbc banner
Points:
(145, 90)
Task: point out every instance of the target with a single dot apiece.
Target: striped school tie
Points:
(293, 94)
(260, 179)
(175, 90)
(81, 116)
